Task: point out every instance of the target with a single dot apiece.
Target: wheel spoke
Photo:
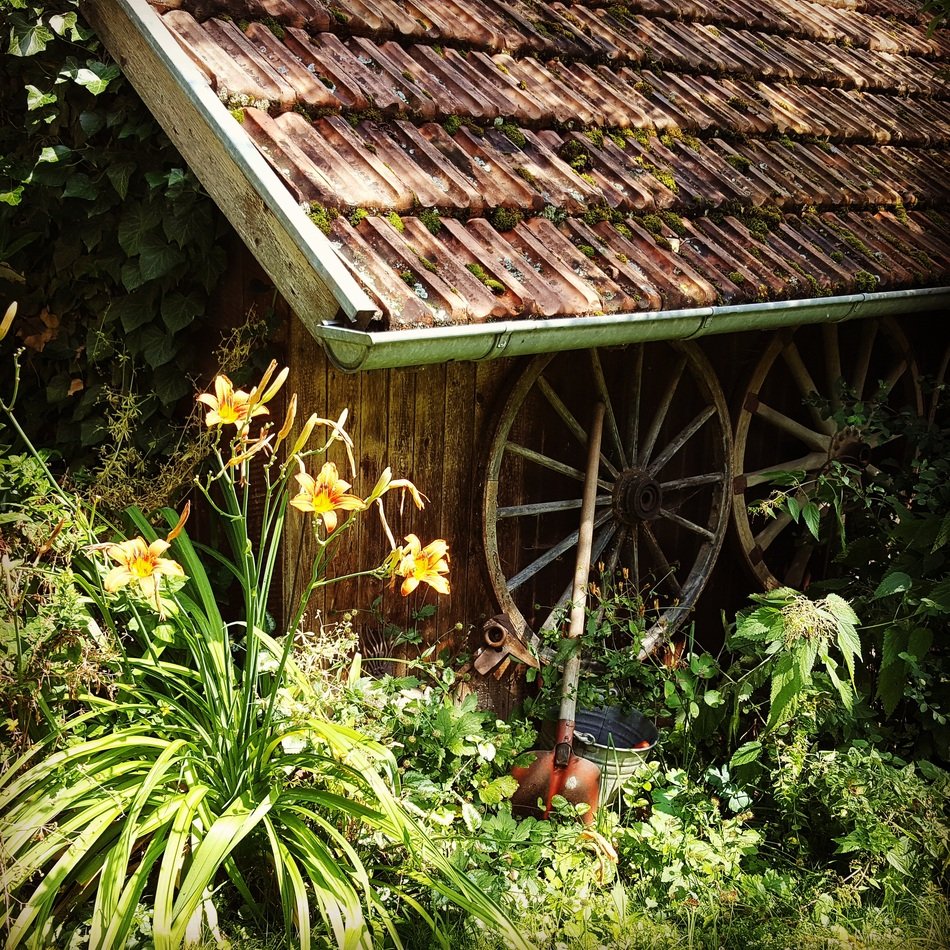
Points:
(552, 554)
(661, 412)
(576, 429)
(633, 416)
(833, 362)
(692, 481)
(545, 507)
(680, 439)
(806, 386)
(665, 571)
(598, 547)
(863, 362)
(807, 463)
(796, 570)
(553, 464)
(817, 440)
(891, 380)
(610, 418)
(688, 525)
(772, 530)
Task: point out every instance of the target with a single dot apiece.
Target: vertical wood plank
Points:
(308, 378)
(458, 492)
(344, 391)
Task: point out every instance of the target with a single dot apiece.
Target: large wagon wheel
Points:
(817, 395)
(662, 503)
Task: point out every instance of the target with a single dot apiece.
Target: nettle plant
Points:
(208, 776)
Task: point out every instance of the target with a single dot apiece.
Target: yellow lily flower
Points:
(418, 564)
(229, 406)
(325, 495)
(141, 564)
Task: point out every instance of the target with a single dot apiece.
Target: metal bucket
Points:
(608, 738)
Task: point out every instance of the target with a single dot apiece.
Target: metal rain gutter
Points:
(358, 351)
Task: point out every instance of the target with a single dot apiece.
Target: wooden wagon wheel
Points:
(662, 503)
(818, 394)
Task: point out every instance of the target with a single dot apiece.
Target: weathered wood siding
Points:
(430, 425)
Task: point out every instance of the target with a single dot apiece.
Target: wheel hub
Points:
(849, 447)
(637, 497)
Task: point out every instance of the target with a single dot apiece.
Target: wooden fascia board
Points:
(292, 250)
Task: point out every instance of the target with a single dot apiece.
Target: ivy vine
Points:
(107, 242)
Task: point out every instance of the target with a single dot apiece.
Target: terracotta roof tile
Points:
(485, 159)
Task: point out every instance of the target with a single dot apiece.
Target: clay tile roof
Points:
(482, 160)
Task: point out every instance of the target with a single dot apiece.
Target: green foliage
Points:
(208, 773)
(797, 633)
(106, 240)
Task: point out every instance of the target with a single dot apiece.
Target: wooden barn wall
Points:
(433, 425)
(429, 425)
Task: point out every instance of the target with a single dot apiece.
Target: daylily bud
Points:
(7, 320)
(288, 421)
(305, 434)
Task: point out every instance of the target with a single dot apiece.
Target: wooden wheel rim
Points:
(903, 370)
(629, 493)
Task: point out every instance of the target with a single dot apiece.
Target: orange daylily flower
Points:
(143, 565)
(325, 495)
(228, 406)
(418, 564)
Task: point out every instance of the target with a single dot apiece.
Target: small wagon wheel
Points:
(662, 503)
(818, 394)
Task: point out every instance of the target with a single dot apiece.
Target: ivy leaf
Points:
(36, 98)
(13, 197)
(132, 311)
(95, 77)
(136, 223)
(894, 583)
(53, 153)
(157, 257)
(91, 121)
(120, 174)
(157, 346)
(66, 25)
(80, 185)
(26, 38)
(131, 275)
(170, 386)
(178, 310)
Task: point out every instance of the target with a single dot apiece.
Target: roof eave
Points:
(296, 255)
(358, 351)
